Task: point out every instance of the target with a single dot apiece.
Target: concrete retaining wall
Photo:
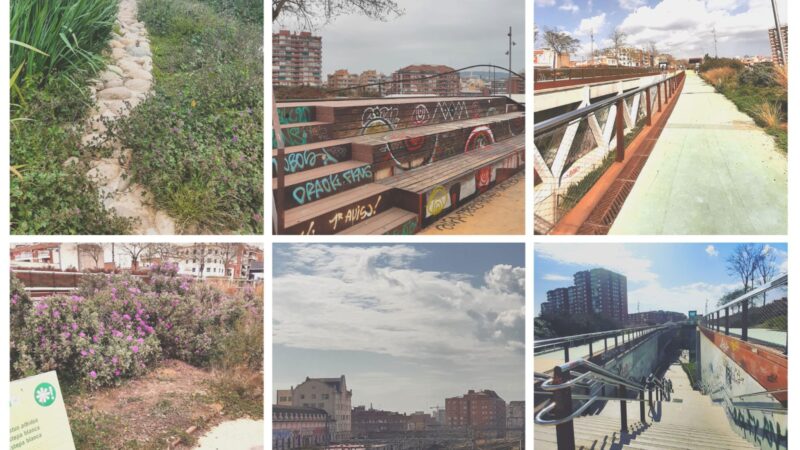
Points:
(722, 378)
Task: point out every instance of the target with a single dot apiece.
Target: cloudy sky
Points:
(457, 33)
(682, 28)
(673, 277)
(409, 325)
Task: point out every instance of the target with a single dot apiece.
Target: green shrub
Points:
(246, 10)
(71, 32)
(117, 326)
(710, 63)
(760, 75)
(47, 197)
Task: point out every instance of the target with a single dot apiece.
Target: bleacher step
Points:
(339, 211)
(315, 184)
(391, 221)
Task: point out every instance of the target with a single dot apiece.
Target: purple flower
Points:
(56, 314)
(93, 374)
(84, 353)
(235, 139)
(116, 372)
(135, 349)
(74, 326)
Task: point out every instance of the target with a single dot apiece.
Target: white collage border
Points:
(528, 240)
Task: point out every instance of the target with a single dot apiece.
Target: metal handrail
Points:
(539, 419)
(774, 391)
(551, 124)
(598, 334)
(597, 372)
(779, 280)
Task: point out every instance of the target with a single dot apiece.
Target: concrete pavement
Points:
(712, 171)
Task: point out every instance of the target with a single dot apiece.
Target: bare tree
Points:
(617, 41)
(94, 251)
(228, 253)
(766, 265)
(561, 43)
(313, 13)
(743, 262)
(653, 50)
(135, 251)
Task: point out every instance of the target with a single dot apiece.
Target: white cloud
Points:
(711, 251)
(616, 257)
(545, 2)
(591, 24)
(556, 277)
(569, 6)
(630, 4)
(684, 27)
(683, 298)
(372, 299)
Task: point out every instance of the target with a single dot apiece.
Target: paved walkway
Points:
(713, 171)
(500, 210)
(240, 434)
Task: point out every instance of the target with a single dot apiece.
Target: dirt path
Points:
(120, 88)
(500, 210)
(146, 412)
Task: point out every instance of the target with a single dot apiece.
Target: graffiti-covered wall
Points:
(723, 377)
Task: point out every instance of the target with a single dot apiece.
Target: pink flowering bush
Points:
(116, 326)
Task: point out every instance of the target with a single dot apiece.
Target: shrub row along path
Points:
(712, 171)
(120, 87)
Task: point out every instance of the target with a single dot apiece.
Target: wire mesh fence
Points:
(759, 316)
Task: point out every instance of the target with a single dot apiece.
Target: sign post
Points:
(38, 417)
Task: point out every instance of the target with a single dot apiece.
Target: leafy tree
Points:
(561, 43)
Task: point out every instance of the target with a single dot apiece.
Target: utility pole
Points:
(511, 43)
(714, 32)
(779, 35)
(591, 35)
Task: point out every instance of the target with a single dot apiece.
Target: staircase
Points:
(690, 420)
(392, 165)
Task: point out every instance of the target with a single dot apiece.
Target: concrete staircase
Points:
(392, 165)
(690, 420)
(598, 432)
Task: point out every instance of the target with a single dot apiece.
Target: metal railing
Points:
(622, 339)
(572, 150)
(573, 73)
(587, 375)
(759, 315)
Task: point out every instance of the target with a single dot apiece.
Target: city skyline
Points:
(455, 33)
(682, 28)
(670, 277)
(408, 325)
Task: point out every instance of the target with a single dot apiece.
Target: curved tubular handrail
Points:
(774, 391)
(549, 386)
(539, 418)
(595, 372)
(557, 121)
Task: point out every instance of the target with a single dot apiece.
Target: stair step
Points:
(391, 221)
(312, 185)
(413, 147)
(355, 117)
(303, 133)
(339, 211)
(659, 429)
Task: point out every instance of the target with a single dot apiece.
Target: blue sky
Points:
(682, 28)
(674, 277)
(409, 325)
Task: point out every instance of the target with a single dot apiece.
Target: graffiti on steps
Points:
(479, 137)
(296, 114)
(330, 184)
(310, 231)
(308, 159)
(483, 177)
(355, 214)
(420, 116)
(291, 136)
(492, 112)
(437, 201)
(450, 111)
(408, 228)
(379, 119)
(463, 214)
